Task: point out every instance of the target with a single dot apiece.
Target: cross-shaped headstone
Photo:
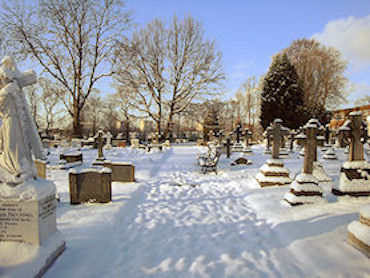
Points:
(100, 144)
(319, 138)
(238, 132)
(310, 140)
(268, 134)
(327, 134)
(278, 131)
(228, 143)
(292, 138)
(353, 129)
(247, 135)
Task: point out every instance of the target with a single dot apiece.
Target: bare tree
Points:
(49, 100)
(168, 68)
(247, 99)
(72, 40)
(141, 68)
(34, 101)
(92, 113)
(321, 71)
(363, 101)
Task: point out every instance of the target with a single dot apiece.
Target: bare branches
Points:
(168, 67)
(320, 70)
(73, 41)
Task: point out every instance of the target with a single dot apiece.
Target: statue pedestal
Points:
(29, 240)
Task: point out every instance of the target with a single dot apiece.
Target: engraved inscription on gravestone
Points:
(28, 222)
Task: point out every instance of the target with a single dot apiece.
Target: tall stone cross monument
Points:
(238, 132)
(277, 133)
(310, 141)
(353, 129)
(305, 188)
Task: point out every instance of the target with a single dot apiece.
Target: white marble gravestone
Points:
(28, 233)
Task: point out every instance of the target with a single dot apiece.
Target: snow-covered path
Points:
(177, 222)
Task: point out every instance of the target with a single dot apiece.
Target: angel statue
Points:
(19, 139)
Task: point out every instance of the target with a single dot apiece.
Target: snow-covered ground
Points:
(176, 222)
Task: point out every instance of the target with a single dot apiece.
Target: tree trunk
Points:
(77, 131)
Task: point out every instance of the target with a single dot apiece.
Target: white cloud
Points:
(351, 36)
(239, 71)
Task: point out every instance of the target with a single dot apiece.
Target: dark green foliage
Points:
(282, 95)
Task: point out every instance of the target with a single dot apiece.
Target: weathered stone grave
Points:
(330, 154)
(121, 171)
(99, 160)
(305, 188)
(40, 168)
(354, 178)
(90, 185)
(267, 134)
(273, 172)
(359, 231)
(69, 160)
(247, 135)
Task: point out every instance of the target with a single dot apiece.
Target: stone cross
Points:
(238, 132)
(278, 131)
(19, 135)
(292, 138)
(319, 138)
(352, 129)
(228, 143)
(247, 135)
(268, 134)
(310, 141)
(327, 134)
(100, 143)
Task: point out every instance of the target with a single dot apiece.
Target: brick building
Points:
(339, 116)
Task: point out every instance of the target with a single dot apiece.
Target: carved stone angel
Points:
(19, 138)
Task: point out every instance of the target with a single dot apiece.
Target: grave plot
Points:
(273, 172)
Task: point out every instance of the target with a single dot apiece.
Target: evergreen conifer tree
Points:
(282, 95)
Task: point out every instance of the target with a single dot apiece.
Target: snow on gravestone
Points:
(354, 178)
(27, 204)
(273, 172)
(305, 187)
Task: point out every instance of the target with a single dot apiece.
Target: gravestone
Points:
(247, 136)
(305, 188)
(121, 171)
(238, 132)
(354, 178)
(330, 154)
(27, 204)
(268, 134)
(359, 231)
(40, 168)
(108, 144)
(273, 172)
(100, 144)
(228, 146)
(90, 185)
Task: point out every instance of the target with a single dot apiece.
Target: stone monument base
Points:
(29, 240)
(304, 190)
(319, 173)
(330, 154)
(359, 232)
(273, 173)
(28, 260)
(354, 179)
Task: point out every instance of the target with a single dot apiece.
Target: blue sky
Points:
(248, 33)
